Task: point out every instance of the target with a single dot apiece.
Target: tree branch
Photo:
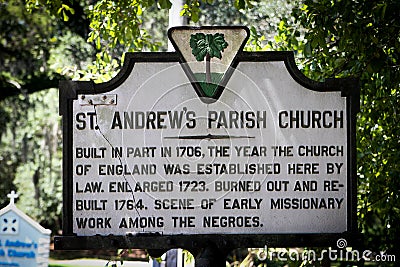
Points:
(33, 85)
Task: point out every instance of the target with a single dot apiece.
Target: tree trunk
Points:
(208, 68)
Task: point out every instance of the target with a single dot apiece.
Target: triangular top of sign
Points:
(208, 55)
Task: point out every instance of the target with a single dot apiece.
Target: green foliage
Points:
(194, 8)
(56, 6)
(191, 10)
(31, 150)
(24, 50)
(116, 22)
(69, 55)
(255, 42)
(362, 40)
(263, 16)
(117, 28)
(34, 46)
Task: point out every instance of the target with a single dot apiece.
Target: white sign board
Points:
(268, 156)
(23, 242)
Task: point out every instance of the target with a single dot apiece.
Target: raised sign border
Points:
(158, 244)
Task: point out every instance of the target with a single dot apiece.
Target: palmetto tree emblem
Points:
(208, 56)
(207, 46)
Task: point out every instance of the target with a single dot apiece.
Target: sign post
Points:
(208, 146)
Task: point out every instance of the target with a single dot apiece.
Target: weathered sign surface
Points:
(208, 141)
(23, 242)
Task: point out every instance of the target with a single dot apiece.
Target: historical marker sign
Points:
(209, 142)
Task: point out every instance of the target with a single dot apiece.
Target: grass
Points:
(209, 88)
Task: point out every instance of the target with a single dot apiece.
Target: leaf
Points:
(98, 44)
(307, 49)
(165, 4)
(199, 46)
(219, 43)
(195, 16)
(65, 16)
(70, 9)
(240, 4)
